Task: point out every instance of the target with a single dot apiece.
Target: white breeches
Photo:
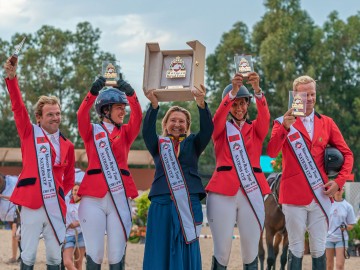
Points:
(222, 213)
(33, 223)
(97, 217)
(301, 218)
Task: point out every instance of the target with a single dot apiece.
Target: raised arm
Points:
(263, 117)
(21, 115)
(279, 134)
(133, 126)
(203, 137)
(263, 114)
(83, 114)
(149, 124)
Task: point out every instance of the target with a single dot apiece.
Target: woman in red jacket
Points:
(107, 184)
(236, 189)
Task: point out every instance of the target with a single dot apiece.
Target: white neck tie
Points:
(308, 126)
(53, 139)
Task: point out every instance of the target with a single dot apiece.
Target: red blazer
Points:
(294, 188)
(225, 179)
(28, 191)
(94, 183)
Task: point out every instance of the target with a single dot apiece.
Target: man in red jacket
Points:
(47, 175)
(304, 188)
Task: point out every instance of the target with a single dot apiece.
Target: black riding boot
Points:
(216, 265)
(24, 266)
(319, 263)
(251, 266)
(118, 266)
(91, 265)
(53, 267)
(294, 263)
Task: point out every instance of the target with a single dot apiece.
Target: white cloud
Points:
(130, 32)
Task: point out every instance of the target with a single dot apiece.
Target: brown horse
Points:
(274, 227)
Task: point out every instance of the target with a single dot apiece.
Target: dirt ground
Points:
(135, 252)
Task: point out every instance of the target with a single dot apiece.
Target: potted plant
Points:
(138, 231)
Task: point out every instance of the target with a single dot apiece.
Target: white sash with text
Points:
(113, 178)
(245, 172)
(178, 189)
(48, 186)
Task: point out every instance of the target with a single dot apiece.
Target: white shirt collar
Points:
(310, 116)
(109, 126)
(56, 134)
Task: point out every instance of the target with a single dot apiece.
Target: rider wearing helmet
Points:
(104, 102)
(102, 190)
(238, 139)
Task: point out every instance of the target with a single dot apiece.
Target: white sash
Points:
(113, 178)
(308, 166)
(179, 190)
(48, 184)
(245, 172)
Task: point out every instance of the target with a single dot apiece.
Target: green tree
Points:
(338, 69)
(285, 44)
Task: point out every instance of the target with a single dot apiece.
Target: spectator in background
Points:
(342, 220)
(8, 211)
(74, 246)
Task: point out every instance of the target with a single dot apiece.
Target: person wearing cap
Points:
(304, 187)
(41, 195)
(108, 183)
(175, 214)
(236, 189)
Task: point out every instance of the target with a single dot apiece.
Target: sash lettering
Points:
(47, 183)
(245, 173)
(179, 190)
(113, 177)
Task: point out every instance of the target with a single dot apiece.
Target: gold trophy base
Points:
(111, 83)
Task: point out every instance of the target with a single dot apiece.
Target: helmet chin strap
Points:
(108, 116)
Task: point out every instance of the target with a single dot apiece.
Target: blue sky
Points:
(127, 25)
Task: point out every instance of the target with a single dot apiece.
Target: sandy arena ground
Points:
(134, 255)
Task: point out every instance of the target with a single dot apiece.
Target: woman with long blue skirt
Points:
(175, 214)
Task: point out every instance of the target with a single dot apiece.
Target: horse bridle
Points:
(275, 192)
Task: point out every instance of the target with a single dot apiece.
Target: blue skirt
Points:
(165, 247)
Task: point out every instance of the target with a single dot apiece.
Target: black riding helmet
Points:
(106, 99)
(243, 92)
(333, 160)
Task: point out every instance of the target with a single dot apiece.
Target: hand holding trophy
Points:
(150, 94)
(236, 82)
(199, 95)
(97, 85)
(125, 87)
(254, 80)
(10, 70)
(289, 119)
